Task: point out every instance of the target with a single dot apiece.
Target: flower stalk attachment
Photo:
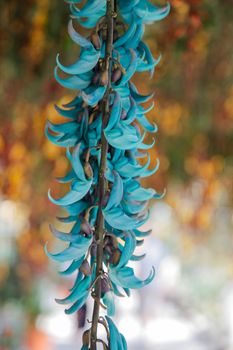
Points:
(103, 133)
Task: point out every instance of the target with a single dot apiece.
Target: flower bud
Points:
(115, 242)
(82, 316)
(85, 268)
(111, 240)
(95, 39)
(104, 78)
(86, 227)
(104, 286)
(88, 170)
(116, 257)
(108, 249)
(86, 337)
(116, 75)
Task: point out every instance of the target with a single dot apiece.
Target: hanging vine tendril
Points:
(103, 141)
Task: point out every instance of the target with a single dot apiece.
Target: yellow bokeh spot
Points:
(18, 151)
(2, 143)
(51, 151)
(61, 166)
(172, 119)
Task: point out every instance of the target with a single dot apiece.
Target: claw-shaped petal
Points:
(74, 83)
(116, 194)
(115, 113)
(90, 8)
(108, 300)
(127, 250)
(75, 251)
(124, 277)
(78, 291)
(117, 218)
(79, 39)
(117, 340)
(78, 190)
(85, 63)
(77, 305)
(94, 96)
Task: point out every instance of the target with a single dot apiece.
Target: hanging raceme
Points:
(102, 134)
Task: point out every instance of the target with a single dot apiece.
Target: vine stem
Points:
(102, 184)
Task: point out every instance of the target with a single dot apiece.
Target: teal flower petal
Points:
(90, 8)
(85, 63)
(108, 300)
(124, 277)
(74, 83)
(127, 36)
(79, 39)
(116, 193)
(127, 250)
(131, 69)
(117, 218)
(94, 96)
(74, 266)
(115, 341)
(76, 306)
(115, 113)
(76, 163)
(137, 257)
(75, 251)
(78, 292)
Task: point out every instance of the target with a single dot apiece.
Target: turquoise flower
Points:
(118, 201)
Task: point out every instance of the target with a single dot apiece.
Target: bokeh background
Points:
(189, 306)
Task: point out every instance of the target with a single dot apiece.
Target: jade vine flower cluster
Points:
(104, 137)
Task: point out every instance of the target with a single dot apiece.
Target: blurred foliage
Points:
(194, 111)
